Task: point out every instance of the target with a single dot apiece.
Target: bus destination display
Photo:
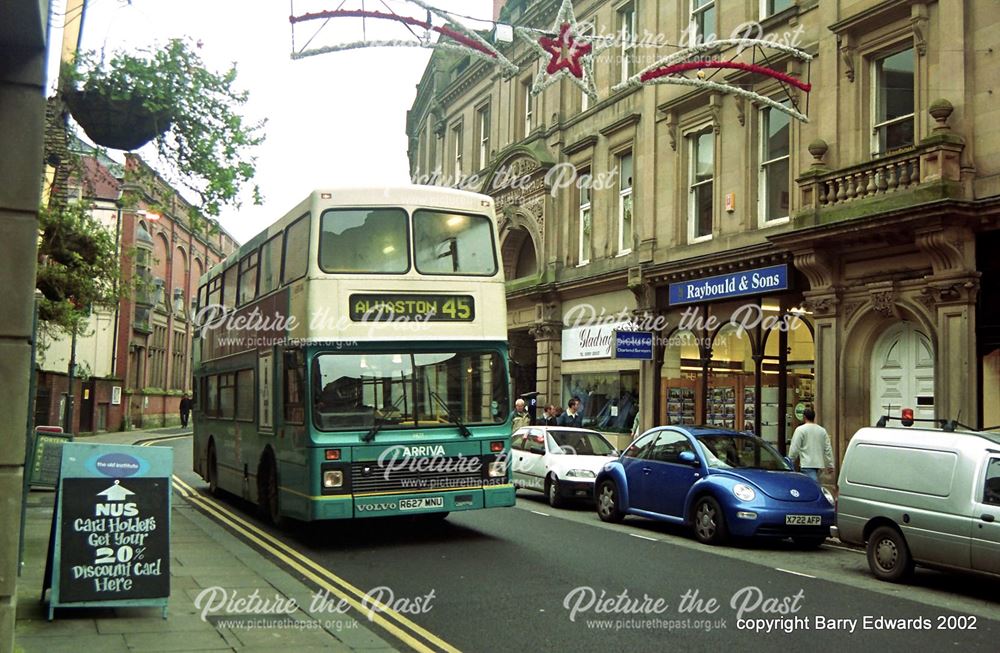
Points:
(384, 307)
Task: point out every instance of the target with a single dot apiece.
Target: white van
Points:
(922, 496)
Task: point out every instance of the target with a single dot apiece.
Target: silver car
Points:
(922, 497)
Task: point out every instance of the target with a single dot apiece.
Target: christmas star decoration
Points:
(566, 52)
(570, 53)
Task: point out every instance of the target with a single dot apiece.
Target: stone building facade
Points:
(863, 236)
(137, 358)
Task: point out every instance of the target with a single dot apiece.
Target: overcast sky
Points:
(333, 120)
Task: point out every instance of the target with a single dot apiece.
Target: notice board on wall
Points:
(45, 458)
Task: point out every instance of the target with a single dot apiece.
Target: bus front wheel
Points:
(267, 491)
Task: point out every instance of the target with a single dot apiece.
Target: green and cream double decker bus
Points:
(352, 359)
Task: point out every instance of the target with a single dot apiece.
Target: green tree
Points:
(200, 132)
(78, 267)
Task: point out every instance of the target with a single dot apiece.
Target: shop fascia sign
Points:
(726, 286)
(596, 341)
(634, 345)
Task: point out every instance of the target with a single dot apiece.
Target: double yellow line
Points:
(393, 622)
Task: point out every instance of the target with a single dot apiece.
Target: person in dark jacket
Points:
(186, 405)
(571, 417)
(549, 417)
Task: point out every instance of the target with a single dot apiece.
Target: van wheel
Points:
(888, 556)
(709, 522)
(552, 492)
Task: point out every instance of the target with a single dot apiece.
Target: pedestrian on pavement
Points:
(636, 426)
(571, 417)
(549, 416)
(811, 446)
(186, 405)
(521, 416)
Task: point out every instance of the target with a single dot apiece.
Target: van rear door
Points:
(986, 520)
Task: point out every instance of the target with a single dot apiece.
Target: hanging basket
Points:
(121, 124)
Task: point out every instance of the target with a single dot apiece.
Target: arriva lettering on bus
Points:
(428, 450)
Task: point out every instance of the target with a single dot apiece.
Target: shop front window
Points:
(730, 399)
(609, 401)
(798, 360)
(680, 376)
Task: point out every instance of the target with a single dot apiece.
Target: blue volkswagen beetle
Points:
(719, 482)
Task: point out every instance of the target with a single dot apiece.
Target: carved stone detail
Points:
(850, 308)
(949, 291)
(926, 297)
(645, 298)
(546, 331)
(672, 130)
(523, 166)
(715, 107)
(741, 110)
(918, 25)
(947, 250)
(884, 297)
(847, 57)
(818, 267)
(823, 305)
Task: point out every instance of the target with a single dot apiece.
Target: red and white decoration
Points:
(570, 54)
(451, 33)
(670, 69)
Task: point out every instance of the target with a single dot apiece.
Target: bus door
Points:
(265, 391)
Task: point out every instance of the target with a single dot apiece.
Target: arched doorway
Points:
(519, 258)
(902, 373)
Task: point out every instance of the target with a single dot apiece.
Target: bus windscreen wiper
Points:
(452, 417)
(380, 421)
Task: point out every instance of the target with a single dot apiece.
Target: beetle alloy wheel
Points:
(606, 501)
(705, 521)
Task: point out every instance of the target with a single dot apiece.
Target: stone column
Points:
(828, 348)
(951, 293)
(645, 316)
(22, 125)
(822, 269)
(548, 370)
(955, 370)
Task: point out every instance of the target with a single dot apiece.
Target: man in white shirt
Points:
(521, 416)
(811, 446)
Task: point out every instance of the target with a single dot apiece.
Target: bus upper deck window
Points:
(453, 243)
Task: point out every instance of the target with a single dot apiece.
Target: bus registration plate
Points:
(422, 503)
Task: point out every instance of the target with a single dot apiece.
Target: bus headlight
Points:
(333, 479)
(498, 469)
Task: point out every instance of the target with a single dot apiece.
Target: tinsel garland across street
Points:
(570, 53)
(667, 71)
(462, 39)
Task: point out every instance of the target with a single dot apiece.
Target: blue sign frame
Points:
(634, 345)
(759, 281)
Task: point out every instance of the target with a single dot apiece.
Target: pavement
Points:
(203, 555)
